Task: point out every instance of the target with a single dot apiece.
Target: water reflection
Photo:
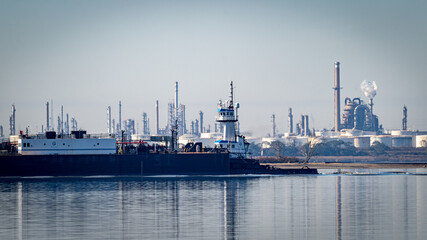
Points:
(338, 206)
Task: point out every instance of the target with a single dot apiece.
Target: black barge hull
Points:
(90, 165)
(143, 164)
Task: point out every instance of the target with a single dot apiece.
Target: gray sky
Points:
(87, 55)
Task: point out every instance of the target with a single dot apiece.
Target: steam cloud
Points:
(369, 88)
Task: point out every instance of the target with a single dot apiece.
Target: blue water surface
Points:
(336, 204)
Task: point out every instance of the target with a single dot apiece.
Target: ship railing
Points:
(99, 135)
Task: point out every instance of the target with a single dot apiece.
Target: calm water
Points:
(371, 204)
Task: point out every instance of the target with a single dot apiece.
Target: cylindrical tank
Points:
(403, 132)
(299, 141)
(345, 139)
(402, 141)
(362, 142)
(384, 139)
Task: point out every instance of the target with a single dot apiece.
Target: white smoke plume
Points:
(369, 88)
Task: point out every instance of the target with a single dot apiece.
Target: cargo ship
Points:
(80, 154)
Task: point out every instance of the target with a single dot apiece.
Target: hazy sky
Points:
(87, 55)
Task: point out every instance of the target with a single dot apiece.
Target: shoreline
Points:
(338, 165)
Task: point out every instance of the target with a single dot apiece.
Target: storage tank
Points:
(421, 141)
(403, 133)
(299, 141)
(402, 141)
(344, 139)
(362, 142)
(384, 139)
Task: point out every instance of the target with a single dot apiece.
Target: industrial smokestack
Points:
(337, 97)
(201, 121)
(290, 121)
(120, 117)
(52, 122)
(273, 120)
(157, 117)
(192, 128)
(12, 121)
(176, 100)
(145, 123)
(109, 119)
(183, 123)
(47, 117)
(67, 126)
(196, 127)
(307, 128)
(58, 128)
(303, 132)
(62, 119)
(113, 126)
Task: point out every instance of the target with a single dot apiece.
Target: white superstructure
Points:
(66, 146)
(231, 140)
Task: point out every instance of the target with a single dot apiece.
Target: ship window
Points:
(232, 146)
(44, 144)
(97, 144)
(63, 144)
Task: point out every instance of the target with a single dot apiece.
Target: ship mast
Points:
(230, 106)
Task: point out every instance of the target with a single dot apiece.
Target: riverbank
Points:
(341, 165)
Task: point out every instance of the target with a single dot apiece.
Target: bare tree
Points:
(309, 149)
(278, 147)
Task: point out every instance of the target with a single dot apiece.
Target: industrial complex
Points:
(355, 124)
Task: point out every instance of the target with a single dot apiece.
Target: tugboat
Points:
(237, 146)
(234, 143)
(79, 154)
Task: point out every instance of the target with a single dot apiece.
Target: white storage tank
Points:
(384, 139)
(362, 142)
(421, 141)
(266, 142)
(402, 141)
(345, 139)
(299, 141)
